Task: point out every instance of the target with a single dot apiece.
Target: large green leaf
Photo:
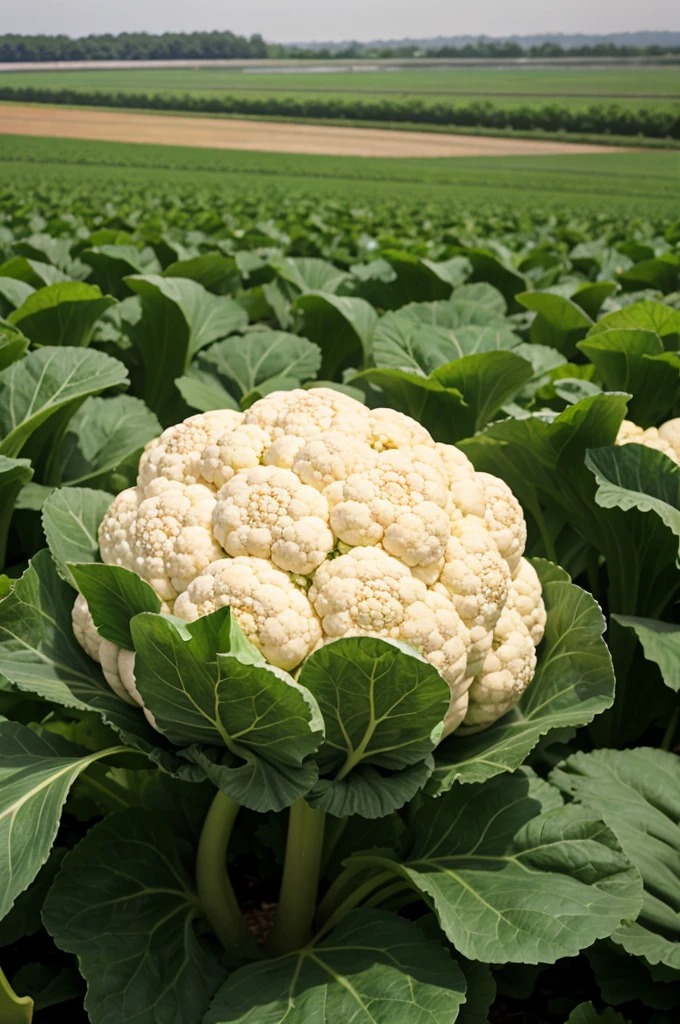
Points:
(373, 967)
(382, 706)
(205, 684)
(623, 978)
(179, 317)
(632, 476)
(61, 314)
(13, 345)
(103, 434)
(124, 904)
(40, 655)
(71, 518)
(543, 459)
(216, 272)
(574, 681)
(644, 316)
(559, 323)
(661, 644)
(585, 1013)
(251, 360)
(14, 474)
(637, 794)
(34, 272)
(420, 279)
(36, 774)
(114, 596)
(111, 264)
(457, 399)
(635, 361)
(201, 389)
(40, 393)
(496, 270)
(341, 327)
(309, 274)
(511, 882)
(404, 342)
(13, 294)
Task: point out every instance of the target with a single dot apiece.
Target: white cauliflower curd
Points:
(313, 517)
(665, 438)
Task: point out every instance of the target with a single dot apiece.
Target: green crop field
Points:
(574, 87)
(635, 183)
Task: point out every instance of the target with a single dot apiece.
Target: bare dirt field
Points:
(273, 137)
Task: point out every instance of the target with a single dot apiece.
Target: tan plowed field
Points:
(268, 136)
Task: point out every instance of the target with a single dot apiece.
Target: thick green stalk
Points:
(297, 899)
(14, 1009)
(212, 879)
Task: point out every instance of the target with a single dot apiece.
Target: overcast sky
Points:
(293, 20)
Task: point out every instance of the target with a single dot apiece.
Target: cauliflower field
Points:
(339, 621)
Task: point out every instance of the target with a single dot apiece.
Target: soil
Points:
(273, 137)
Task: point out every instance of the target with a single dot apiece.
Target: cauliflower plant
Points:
(313, 518)
(665, 438)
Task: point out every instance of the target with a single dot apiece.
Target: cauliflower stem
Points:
(215, 891)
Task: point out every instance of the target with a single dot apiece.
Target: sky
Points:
(303, 20)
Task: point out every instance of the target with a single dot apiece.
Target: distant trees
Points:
(132, 46)
(226, 45)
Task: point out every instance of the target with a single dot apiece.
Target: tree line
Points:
(597, 119)
(226, 45)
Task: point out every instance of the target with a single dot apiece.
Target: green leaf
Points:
(33, 272)
(13, 293)
(14, 1009)
(13, 345)
(255, 358)
(661, 644)
(49, 985)
(372, 967)
(201, 390)
(14, 474)
(179, 317)
(61, 314)
(217, 273)
(585, 1013)
(560, 323)
(205, 684)
(423, 398)
(635, 361)
(103, 434)
(644, 316)
(134, 931)
(36, 774)
(44, 390)
(510, 882)
(114, 596)
(71, 518)
(631, 476)
(403, 342)
(111, 264)
(637, 795)
(382, 706)
(24, 919)
(659, 273)
(496, 271)
(591, 295)
(341, 327)
(39, 654)
(574, 681)
(420, 279)
(623, 978)
(309, 274)
(486, 381)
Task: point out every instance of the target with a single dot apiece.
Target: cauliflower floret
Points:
(173, 538)
(465, 487)
(507, 671)
(307, 413)
(504, 519)
(477, 578)
(117, 530)
(176, 454)
(368, 592)
(400, 503)
(274, 615)
(239, 449)
(525, 596)
(661, 440)
(283, 451)
(330, 457)
(392, 429)
(84, 629)
(267, 513)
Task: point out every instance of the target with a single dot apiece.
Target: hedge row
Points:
(598, 119)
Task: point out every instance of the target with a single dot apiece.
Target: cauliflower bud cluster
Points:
(314, 517)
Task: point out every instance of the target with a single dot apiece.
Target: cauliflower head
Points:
(314, 517)
(665, 439)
